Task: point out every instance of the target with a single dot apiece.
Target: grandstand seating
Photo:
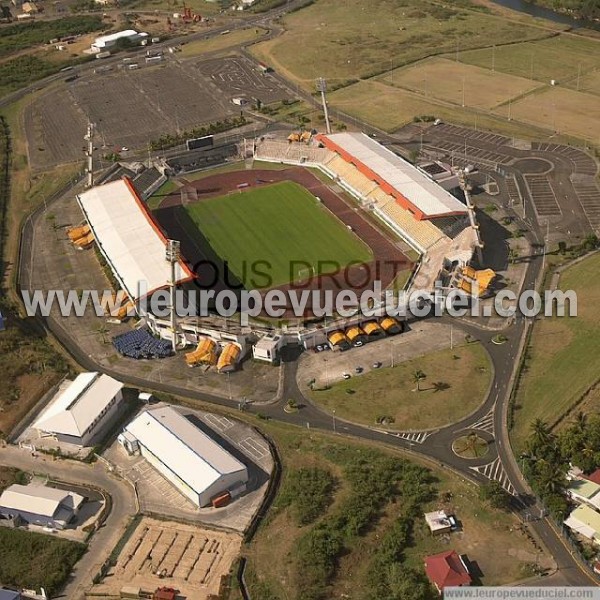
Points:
(422, 233)
(379, 198)
(140, 344)
(295, 153)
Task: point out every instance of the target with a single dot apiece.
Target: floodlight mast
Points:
(466, 188)
(172, 255)
(322, 87)
(89, 137)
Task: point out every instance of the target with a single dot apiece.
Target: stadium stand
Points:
(145, 180)
(228, 358)
(205, 353)
(140, 344)
(430, 219)
(420, 234)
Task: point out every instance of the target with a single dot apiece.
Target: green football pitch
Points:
(281, 225)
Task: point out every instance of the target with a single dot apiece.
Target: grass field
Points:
(590, 83)
(389, 392)
(560, 109)
(35, 560)
(277, 224)
(361, 40)
(274, 560)
(389, 108)
(557, 58)
(221, 42)
(459, 83)
(563, 359)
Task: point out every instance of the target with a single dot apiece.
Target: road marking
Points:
(495, 472)
(417, 437)
(486, 423)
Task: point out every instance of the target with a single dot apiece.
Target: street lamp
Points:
(333, 415)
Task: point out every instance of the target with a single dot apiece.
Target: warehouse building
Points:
(106, 42)
(186, 456)
(81, 408)
(40, 505)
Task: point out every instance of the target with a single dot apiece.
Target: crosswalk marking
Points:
(495, 472)
(486, 423)
(418, 437)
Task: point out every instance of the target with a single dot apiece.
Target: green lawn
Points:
(453, 388)
(563, 359)
(281, 225)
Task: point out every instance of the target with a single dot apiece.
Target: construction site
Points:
(189, 561)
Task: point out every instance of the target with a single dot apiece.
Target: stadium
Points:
(335, 211)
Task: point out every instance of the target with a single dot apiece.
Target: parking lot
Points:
(237, 76)
(552, 183)
(159, 496)
(328, 367)
(188, 558)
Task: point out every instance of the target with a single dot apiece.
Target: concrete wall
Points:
(31, 518)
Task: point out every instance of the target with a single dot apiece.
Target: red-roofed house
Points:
(447, 569)
(594, 477)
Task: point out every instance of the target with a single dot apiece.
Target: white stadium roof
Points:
(74, 408)
(183, 448)
(131, 241)
(38, 499)
(411, 183)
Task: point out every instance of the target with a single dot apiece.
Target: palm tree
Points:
(540, 431)
(580, 422)
(418, 376)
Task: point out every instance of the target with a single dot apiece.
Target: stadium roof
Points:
(129, 238)
(410, 186)
(77, 406)
(183, 448)
(39, 499)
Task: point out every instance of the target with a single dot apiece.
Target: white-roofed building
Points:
(80, 409)
(186, 456)
(105, 42)
(40, 505)
(412, 188)
(129, 238)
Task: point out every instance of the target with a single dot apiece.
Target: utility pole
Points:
(494, 58)
(172, 255)
(333, 415)
(89, 137)
(322, 87)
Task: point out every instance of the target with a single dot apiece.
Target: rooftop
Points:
(447, 569)
(584, 488)
(412, 185)
(77, 405)
(182, 447)
(39, 499)
(587, 517)
(128, 236)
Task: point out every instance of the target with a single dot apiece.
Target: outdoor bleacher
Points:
(423, 234)
(140, 344)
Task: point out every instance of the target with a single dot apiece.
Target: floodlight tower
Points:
(322, 87)
(466, 188)
(172, 254)
(89, 138)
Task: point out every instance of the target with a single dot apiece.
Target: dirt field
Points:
(446, 79)
(388, 260)
(565, 111)
(190, 559)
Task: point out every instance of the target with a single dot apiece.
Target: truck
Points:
(104, 54)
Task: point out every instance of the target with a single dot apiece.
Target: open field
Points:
(360, 40)
(557, 58)
(452, 389)
(590, 82)
(221, 42)
(461, 84)
(35, 560)
(193, 558)
(563, 360)
(559, 109)
(389, 108)
(263, 225)
(275, 560)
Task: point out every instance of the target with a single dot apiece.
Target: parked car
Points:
(376, 365)
(358, 370)
(346, 375)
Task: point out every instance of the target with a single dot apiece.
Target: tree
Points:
(494, 494)
(418, 376)
(562, 247)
